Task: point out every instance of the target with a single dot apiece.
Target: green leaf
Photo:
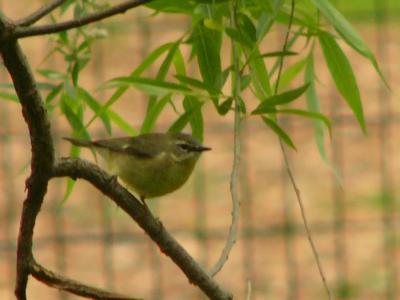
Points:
(74, 119)
(53, 93)
(279, 132)
(74, 152)
(179, 63)
(9, 96)
(153, 113)
(246, 27)
(195, 83)
(309, 114)
(75, 73)
(166, 64)
(207, 46)
(94, 106)
(176, 6)
(347, 32)
(259, 76)
(196, 118)
(51, 74)
(283, 98)
(225, 106)
(313, 105)
(278, 54)
(239, 38)
(290, 73)
(182, 121)
(265, 22)
(150, 85)
(342, 73)
(163, 71)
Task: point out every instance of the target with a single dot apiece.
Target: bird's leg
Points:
(142, 199)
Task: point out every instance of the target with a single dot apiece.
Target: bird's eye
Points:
(183, 147)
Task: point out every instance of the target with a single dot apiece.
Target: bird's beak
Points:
(201, 149)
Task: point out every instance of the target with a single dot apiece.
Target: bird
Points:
(152, 164)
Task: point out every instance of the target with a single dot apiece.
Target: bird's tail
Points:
(78, 142)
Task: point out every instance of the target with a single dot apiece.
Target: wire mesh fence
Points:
(352, 200)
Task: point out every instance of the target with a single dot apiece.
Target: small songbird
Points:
(152, 164)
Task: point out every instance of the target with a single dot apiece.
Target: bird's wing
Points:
(138, 146)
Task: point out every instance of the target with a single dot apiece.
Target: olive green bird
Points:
(152, 164)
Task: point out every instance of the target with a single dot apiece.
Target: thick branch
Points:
(76, 168)
(40, 13)
(21, 32)
(74, 287)
(42, 150)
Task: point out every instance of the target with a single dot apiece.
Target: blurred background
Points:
(354, 220)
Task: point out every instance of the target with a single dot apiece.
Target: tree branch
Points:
(77, 168)
(40, 13)
(41, 147)
(74, 287)
(21, 32)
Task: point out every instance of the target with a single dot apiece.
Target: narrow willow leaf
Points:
(279, 99)
(184, 119)
(279, 132)
(309, 114)
(74, 152)
(51, 74)
(196, 118)
(53, 93)
(121, 123)
(166, 64)
(95, 107)
(290, 73)
(313, 105)
(207, 45)
(259, 76)
(343, 76)
(179, 63)
(264, 25)
(345, 29)
(150, 85)
(74, 120)
(195, 83)
(278, 54)
(176, 6)
(239, 38)
(245, 82)
(163, 71)
(75, 73)
(153, 113)
(246, 27)
(9, 96)
(225, 106)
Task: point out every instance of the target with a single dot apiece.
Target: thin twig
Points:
(72, 286)
(290, 173)
(21, 32)
(249, 290)
(40, 13)
(304, 217)
(232, 234)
